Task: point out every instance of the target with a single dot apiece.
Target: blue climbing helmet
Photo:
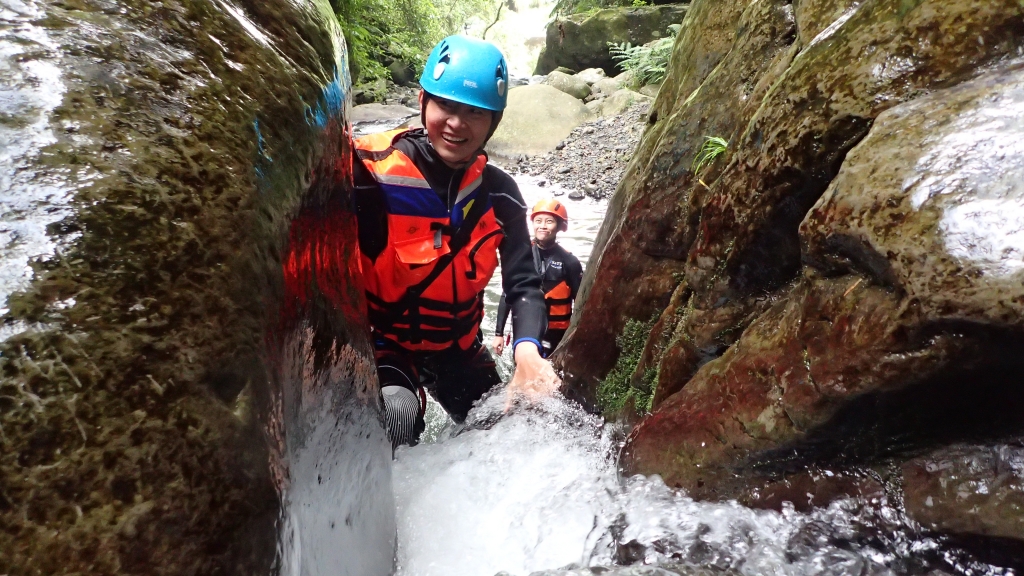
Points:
(469, 71)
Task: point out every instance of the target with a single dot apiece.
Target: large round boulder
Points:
(537, 118)
(571, 85)
(619, 101)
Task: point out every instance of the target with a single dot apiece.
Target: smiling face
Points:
(545, 229)
(456, 131)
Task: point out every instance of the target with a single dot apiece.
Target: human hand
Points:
(534, 377)
(498, 343)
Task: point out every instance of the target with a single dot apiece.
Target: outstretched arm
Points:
(498, 342)
(534, 377)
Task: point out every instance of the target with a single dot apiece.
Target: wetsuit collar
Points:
(543, 247)
(416, 145)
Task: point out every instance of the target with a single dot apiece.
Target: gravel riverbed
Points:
(592, 159)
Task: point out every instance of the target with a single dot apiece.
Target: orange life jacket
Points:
(422, 294)
(559, 302)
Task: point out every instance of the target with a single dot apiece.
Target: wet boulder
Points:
(403, 73)
(618, 101)
(537, 118)
(571, 85)
(965, 489)
(639, 254)
(850, 257)
(910, 284)
(157, 154)
(591, 75)
(931, 204)
(607, 86)
(581, 41)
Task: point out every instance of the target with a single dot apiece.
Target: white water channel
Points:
(538, 489)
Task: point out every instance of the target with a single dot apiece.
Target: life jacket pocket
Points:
(415, 258)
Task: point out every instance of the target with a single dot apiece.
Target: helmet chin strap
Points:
(495, 120)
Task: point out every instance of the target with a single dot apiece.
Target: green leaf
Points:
(712, 148)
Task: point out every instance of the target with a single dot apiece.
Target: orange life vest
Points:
(420, 294)
(559, 301)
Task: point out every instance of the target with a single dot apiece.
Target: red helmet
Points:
(554, 208)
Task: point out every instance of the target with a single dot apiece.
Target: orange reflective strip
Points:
(561, 291)
(396, 166)
(378, 142)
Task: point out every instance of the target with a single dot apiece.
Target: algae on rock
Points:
(841, 265)
(139, 373)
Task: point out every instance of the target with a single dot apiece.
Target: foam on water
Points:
(539, 490)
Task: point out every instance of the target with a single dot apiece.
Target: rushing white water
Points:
(537, 488)
(30, 198)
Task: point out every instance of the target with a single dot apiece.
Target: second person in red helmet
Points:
(560, 272)
(434, 217)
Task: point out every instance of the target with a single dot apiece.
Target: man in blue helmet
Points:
(433, 218)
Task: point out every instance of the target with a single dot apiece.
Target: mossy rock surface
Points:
(177, 140)
(571, 85)
(851, 262)
(581, 41)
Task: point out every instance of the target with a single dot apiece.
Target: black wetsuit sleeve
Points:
(519, 278)
(499, 324)
(574, 274)
(371, 214)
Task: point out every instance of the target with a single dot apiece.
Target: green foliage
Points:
(618, 387)
(648, 63)
(712, 148)
(568, 7)
(382, 31)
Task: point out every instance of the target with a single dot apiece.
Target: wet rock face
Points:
(851, 264)
(142, 363)
(581, 41)
(642, 244)
(968, 490)
(932, 203)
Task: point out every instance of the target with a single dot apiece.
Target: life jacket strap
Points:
(408, 307)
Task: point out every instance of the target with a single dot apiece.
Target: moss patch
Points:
(620, 387)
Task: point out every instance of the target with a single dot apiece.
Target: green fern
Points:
(648, 62)
(712, 148)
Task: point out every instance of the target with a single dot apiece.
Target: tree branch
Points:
(496, 18)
